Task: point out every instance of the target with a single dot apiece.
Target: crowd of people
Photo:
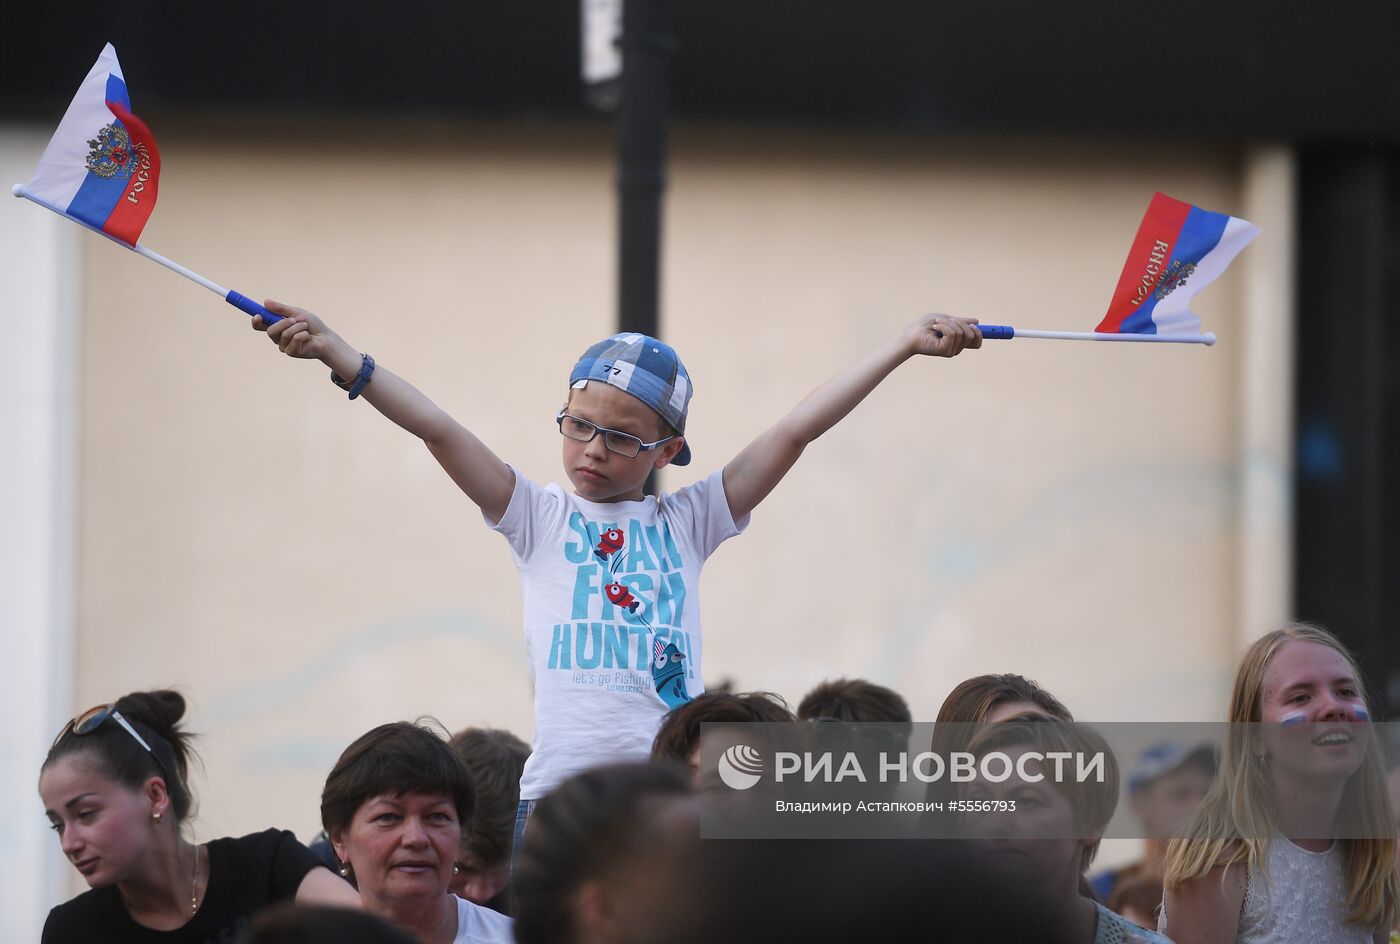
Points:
(594, 833)
(420, 836)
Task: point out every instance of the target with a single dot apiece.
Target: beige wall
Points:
(304, 571)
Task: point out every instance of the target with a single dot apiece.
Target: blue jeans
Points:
(522, 819)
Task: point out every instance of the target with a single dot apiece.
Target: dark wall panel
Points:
(1289, 68)
(1347, 562)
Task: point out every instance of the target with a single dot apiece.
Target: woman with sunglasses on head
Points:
(116, 790)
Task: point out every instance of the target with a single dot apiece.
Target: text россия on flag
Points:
(1179, 250)
(101, 168)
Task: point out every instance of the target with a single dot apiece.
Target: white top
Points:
(612, 617)
(480, 925)
(1113, 928)
(1304, 899)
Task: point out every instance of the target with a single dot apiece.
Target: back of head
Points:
(820, 891)
(972, 700)
(288, 923)
(394, 758)
(579, 834)
(853, 700)
(155, 717)
(494, 760)
(680, 730)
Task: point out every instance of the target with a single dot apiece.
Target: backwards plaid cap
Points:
(648, 369)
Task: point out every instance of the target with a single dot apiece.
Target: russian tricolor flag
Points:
(102, 166)
(1179, 250)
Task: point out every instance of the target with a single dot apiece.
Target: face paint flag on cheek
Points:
(102, 170)
(1293, 717)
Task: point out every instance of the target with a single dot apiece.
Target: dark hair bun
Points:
(160, 710)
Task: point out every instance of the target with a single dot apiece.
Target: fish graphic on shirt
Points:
(618, 595)
(668, 672)
(610, 544)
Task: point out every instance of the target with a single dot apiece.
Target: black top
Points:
(245, 875)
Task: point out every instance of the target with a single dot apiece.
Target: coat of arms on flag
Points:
(102, 169)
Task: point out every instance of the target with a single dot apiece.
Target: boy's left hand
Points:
(942, 335)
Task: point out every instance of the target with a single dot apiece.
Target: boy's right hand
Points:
(302, 334)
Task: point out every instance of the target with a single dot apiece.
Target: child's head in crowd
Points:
(624, 417)
(853, 700)
(494, 760)
(678, 739)
(575, 876)
(988, 698)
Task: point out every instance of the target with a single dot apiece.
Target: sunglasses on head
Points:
(94, 718)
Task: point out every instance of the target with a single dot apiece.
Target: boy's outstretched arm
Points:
(755, 471)
(475, 468)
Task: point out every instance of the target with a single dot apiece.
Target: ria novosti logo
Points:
(740, 767)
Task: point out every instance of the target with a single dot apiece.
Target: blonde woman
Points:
(1260, 860)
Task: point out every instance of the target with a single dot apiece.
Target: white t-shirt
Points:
(612, 617)
(480, 925)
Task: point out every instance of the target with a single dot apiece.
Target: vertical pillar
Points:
(40, 269)
(1266, 395)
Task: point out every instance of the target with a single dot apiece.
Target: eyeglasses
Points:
(624, 444)
(94, 718)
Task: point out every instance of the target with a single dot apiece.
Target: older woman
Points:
(394, 806)
(1040, 828)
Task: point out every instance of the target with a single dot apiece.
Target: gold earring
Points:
(156, 817)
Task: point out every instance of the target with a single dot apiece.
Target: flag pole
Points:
(1006, 333)
(239, 301)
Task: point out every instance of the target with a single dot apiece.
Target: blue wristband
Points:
(357, 384)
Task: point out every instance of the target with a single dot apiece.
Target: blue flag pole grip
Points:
(997, 332)
(244, 303)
